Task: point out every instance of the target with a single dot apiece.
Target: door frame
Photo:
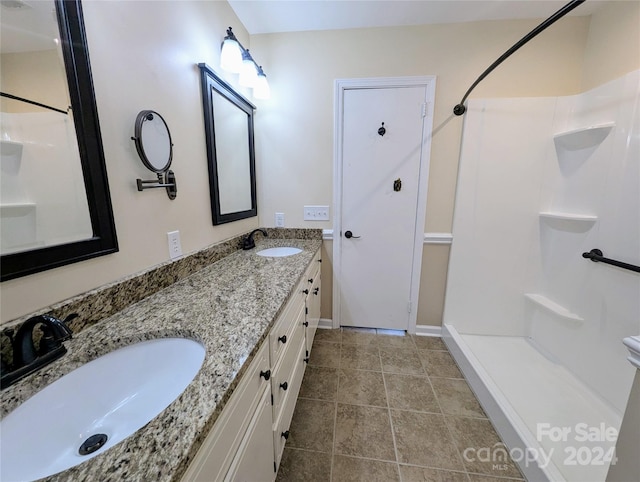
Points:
(340, 86)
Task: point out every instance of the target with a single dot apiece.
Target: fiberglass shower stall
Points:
(536, 327)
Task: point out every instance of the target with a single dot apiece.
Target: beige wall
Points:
(295, 140)
(613, 44)
(143, 56)
(37, 76)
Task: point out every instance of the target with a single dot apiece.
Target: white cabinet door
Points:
(254, 460)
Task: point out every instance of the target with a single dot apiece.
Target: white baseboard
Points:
(428, 330)
(429, 238)
(421, 330)
(325, 323)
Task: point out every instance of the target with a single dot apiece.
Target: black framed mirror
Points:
(228, 123)
(83, 110)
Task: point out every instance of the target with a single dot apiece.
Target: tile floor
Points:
(379, 407)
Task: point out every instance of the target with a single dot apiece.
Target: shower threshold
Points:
(556, 428)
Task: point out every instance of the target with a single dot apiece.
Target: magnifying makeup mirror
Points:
(154, 146)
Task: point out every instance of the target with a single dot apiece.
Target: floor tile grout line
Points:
(497, 477)
(451, 437)
(335, 414)
(301, 449)
(440, 469)
(449, 429)
(360, 457)
(393, 432)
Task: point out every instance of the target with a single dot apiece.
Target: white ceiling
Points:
(270, 16)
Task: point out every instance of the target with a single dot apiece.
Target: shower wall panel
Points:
(495, 228)
(527, 207)
(600, 178)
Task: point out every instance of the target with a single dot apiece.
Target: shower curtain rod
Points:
(33, 102)
(461, 108)
(596, 255)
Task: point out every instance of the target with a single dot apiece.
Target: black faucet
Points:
(248, 242)
(26, 359)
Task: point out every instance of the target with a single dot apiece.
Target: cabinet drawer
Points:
(282, 424)
(311, 274)
(284, 327)
(283, 372)
(217, 451)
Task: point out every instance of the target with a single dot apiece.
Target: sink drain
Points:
(92, 444)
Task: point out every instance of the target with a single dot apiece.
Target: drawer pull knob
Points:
(284, 386)
(305, 323)
(285, 435)
(310, 280)
(306, 360)
(282, 339)
(266, 375)
(306, 292)
(315, 292)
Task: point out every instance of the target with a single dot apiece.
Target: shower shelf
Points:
(552, 307)
(584, 137)
(583, 218)
(10, 148)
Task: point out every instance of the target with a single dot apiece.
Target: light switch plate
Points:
(175, 248)
(316, 213)
(279, 220)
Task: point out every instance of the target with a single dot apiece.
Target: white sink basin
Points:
(114, 395)
(279, 252)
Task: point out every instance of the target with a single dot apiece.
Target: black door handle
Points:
(349, 234)
(284, 386)
(266, 375)
(282, 339)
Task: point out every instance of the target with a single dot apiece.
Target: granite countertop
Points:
(229, 307)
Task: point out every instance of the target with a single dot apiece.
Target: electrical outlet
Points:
(279, 220)
(316, 213)
(175, 248)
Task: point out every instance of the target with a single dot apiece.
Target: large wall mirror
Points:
(55, 206)
(228, 121)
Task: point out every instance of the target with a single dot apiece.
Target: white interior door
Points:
(380, 192)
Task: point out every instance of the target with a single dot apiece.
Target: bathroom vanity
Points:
(256, 317)
(248, 438)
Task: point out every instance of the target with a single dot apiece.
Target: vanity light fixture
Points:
(236, 59)
(231, 55)
(261, 88)
(249, 71)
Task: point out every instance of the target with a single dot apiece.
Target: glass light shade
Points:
(261, 89)
(231, 56)
(248, 73)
